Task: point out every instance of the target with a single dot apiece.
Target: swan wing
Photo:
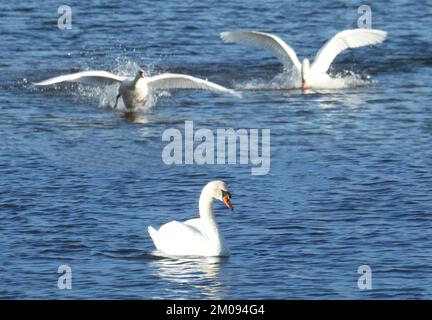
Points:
(267, 41)
(353, 38)
(176, 228)
(84, 76)
(182, 81)
(177, 238)
(196, 223)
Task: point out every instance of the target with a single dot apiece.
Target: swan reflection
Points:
(136, 117)
(202, 273)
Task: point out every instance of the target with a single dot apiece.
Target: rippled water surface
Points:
(350, 181)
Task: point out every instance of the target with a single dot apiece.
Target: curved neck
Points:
(207, 216)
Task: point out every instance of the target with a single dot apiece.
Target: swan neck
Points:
(305, 69)
(206, 213)
(205, 205)
(209, 224)
(135, 81)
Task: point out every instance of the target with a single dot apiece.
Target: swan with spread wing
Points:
(135, 91)
(311, 74)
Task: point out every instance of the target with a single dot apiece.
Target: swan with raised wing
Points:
(310, 75)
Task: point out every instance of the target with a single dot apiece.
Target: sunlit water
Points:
(350, 181)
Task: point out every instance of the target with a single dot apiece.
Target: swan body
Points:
(196, 237)
(135, 91)
(311, 75)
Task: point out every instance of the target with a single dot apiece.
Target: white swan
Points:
(311, 75)
(196, 237)
(134, 91)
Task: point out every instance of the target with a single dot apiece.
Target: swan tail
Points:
(154, 235)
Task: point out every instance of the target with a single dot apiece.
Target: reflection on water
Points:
(201, 273)
(328, 99)
(136, 117)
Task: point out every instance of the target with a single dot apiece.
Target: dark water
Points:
(350, 181)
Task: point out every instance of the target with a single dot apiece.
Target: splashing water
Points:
(105, 95)
(291, 80)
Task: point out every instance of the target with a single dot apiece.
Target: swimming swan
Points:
(196, 237)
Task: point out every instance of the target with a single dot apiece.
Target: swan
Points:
(135, 91)
(195, 237)
(311, 74)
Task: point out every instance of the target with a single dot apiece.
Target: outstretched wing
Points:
(353, 38)
(182, 81)
(267, 41)
(84, 76)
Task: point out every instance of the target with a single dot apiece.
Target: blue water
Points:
(350, 181)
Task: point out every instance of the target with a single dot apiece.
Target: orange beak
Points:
(226, 199)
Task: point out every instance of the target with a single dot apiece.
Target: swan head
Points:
(140, 74)
(219, 191)
(305, 70)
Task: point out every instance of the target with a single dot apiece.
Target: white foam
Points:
(291, 80)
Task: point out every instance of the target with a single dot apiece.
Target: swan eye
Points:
(226, 193)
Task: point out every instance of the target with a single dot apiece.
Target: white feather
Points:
(343, 40)
(181, 81)
(84, 76)
(267, 41)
